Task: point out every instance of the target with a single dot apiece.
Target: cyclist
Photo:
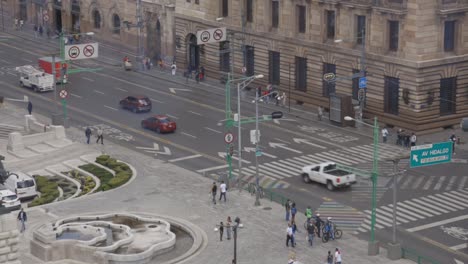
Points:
(329, 228)
(318, 223)
(308, 214)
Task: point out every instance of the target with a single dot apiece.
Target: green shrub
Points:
(48, 189)
(119, 179)
(102, 159)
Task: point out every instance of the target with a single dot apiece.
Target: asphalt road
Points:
(289, 144)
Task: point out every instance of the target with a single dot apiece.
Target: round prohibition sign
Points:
(74, 52)
(88, 50)
(218, 34)
(205, 36)
(63, 94)
(46, 17)
(228, 138)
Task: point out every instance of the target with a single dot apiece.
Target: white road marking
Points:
(279, 139)
(5, 61)
(214, 130)
(88, 79)
(154, 100)
(213, 168)
(173, 90)
(461, 246)
(304, 141)
(186, 158)
(28, 60)
(171, 116)
(111, 108)
(12, 74)
(188, 135)
(462, 182)
(99, 92)
(439, 183)
(438, 223)
(75, 95)
(278, 145)
(451, 183)
(120, 89)
(195, 113)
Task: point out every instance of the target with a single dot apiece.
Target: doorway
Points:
(193, 53)
(58, 19)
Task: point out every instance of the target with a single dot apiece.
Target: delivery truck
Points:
(45, 63)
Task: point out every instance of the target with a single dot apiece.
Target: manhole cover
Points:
(266, 208)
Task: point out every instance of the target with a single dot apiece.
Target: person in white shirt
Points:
(173, 68)
(413, 140)
(223, 189)
(384, 134)
(289, 236)
(337, 256)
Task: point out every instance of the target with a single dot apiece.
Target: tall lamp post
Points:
(235, 227)
(373, 248)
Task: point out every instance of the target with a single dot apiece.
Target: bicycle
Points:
(326, 233)
(261, 193)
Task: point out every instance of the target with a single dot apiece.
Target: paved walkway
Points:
(162, 188)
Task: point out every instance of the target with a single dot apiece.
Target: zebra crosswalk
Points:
(416, 209)
(431, 183)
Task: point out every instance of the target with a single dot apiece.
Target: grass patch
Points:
(123, 173)
(68, 187)
(87, 182)
(48, 189)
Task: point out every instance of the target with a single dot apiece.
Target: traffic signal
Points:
(231, 150)
(276, 115)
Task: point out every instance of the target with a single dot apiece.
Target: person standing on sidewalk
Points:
(21, 24)
(384, 134)
(287, 207)
(283, 99)
(329, 258)
(36, 29)
(30, 107)
(311, 231)
(221, 231)
(320, 113)
(289, 236)
(41, 30)
(214, 190)
(88, 134)
(173, 68)
(16, 23)
(100, 136)
(337, 256)
(228, 228)
(413, 139)
(318, 223)
(308, 214)
(22, 217)
(222, 189)
(293, 211)
(453, 139)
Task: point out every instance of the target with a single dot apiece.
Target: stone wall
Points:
(9, 238)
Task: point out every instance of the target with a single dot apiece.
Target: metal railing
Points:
(411, 254)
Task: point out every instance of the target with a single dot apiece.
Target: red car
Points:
(159, 123)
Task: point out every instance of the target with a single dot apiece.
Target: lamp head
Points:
(260, 76)
(90, 33)
(338, 40)
(219, 19)
(348, 118)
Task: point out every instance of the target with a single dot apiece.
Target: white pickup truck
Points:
(327, 173)
(35, 79)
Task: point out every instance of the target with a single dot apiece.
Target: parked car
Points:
(327, 173)
(159, 123)
(136, 104)
(22, 184)
(9, 201)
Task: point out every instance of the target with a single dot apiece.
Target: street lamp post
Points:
(373, 248)
(235, 228)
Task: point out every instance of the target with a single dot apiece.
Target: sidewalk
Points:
(185, 194)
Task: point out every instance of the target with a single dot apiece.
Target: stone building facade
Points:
(112, 21)
(415, 56)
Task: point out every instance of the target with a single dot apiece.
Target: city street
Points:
(426, 196)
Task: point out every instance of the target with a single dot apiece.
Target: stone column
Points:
(168, 48)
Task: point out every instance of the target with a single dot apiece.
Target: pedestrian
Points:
(173, 68)
(266, 97)
(311, 231)
(453, 139)
(320, 113)
(337, 256)
(413, 139)
(221, 231)
(36, 29)
(287, 207)
(161, 64)
(399, 137)
(329, 258)
(293, 211)
(277, 98)
(21, 23)
(41, 30)
(222, 189)
(318, 224)
(259, 91)
(16, 23)
(214, 190)
(22, 217)
(197, 76)
(88, 134)
(283, 98)
(148, 63)
(289, 236)
(202, 73)
(308, 214)
(384, 134)
(228, 228)
(100, 136)
(48, 33)
(30, 107)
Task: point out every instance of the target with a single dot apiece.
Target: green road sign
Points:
(430, 154)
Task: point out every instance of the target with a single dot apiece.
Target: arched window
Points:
(116, 24)
(97, 19)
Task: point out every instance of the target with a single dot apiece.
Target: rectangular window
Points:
(224, 56)
(448, 92)
(393, 37)
(391, 95)
(274, 67)
(361, 29)
(330, 24)
(224, 8)
(249, 10)
(301, 74)
(274, 13)
(355, 85)
(250, 60)
(449, 35)
(301, 19)
(328, 87)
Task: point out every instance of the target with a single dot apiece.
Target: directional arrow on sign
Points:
(415, 158)
(248, 149)
(305, 141)
(155, 150)
(223, 155)
(173, 90)
(283, 146)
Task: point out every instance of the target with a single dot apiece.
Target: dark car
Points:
(159, 123)
(136, 103)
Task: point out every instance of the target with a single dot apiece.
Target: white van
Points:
(22, 184)
(9, 200)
